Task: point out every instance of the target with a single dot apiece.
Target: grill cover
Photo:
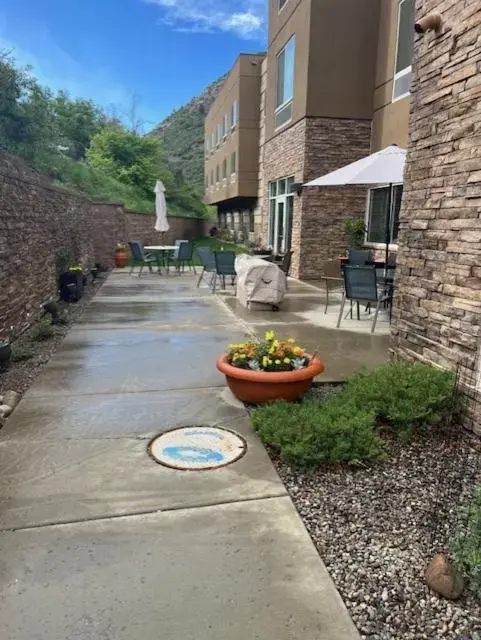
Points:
(259, 283)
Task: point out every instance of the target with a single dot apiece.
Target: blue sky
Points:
(163, 52)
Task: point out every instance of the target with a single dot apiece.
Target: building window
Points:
(212, 177)
(212, 142)
(281, 209)
(217, 174)
(225, 125)
(404, 49)
(280, 5)
(207, 147)
(224, 168)
(234, 114)
(285, 83)
(233, 163)
(377, 214)
(218, 135)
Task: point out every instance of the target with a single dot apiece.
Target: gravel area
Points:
(20, 375)
(377, 527)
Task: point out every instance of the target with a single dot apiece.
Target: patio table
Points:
(162, 250)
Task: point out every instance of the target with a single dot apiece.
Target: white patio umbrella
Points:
(384, 167)
(161, 223)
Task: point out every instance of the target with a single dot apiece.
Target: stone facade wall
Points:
(259, 212)
(330, 144)
(37, 219)
(437, 314)
(307, 150)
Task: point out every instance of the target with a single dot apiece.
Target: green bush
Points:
(308, 434)
(342, 427)
(403, 395)
(21, 353)
(467, 546)
(43, 330)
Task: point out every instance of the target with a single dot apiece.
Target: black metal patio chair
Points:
(140, 258)
(360, 286)
(358, 256)
(183, 256)
(207, 261)
(224, 266)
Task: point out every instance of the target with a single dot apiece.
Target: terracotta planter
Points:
(259, 387)
(121, 259)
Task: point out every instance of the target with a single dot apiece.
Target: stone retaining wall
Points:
(37, 219)
(437, 314)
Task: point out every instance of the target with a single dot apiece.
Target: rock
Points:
(12, 398)
(443, 578)
(5, 410)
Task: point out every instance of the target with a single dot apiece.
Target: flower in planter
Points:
(75, 269)
(269, 354)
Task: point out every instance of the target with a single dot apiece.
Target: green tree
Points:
(131, 159)
(76, 123)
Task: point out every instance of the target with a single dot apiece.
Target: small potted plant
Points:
(5, 354)
(355, 229)
(71, 284)
(268, 370)
(121, 256)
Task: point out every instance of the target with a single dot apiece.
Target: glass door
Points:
(281, 203)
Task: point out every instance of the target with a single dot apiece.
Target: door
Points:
(280, 216)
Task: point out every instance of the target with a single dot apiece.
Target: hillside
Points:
(182, 135)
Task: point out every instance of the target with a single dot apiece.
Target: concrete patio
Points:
(302, 316)
(98, 541)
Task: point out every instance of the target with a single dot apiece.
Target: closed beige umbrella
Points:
(161, 223)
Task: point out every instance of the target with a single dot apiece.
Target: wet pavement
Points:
(98, 541)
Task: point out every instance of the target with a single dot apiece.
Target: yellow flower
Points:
(265, 361)
(291, 340)
(278, 362)
(275, 343)
(272, 349)
(269, 336)
(287, 361)
(242, 356)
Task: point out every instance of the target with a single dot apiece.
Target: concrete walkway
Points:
(98, 542)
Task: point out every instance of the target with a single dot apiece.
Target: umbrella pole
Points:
(387, 236)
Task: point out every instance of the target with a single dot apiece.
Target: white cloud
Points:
(245, 18)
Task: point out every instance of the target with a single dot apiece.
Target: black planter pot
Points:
(5, 355)
(71, 285)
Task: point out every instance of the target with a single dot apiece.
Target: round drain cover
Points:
(196, 448)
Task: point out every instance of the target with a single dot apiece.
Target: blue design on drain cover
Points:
(193, 454)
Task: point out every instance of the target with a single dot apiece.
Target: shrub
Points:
(467, 545)
(21, 353)
(43, 330)
(62, 318)
(403, 395)
(308, 434)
